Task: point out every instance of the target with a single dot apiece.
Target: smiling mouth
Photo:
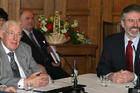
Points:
(14, 43)
(134, 29)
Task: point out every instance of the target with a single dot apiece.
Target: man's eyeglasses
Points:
(12, 34)
(133, 20)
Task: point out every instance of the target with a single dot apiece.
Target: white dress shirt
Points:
(134, 46)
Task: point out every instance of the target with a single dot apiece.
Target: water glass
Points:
(104, 80)
(29, 87)
(72, 79)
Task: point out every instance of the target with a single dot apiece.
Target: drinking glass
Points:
(72, 79)
(29, 87)
(104, 80)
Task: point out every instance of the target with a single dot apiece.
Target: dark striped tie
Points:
(14, 65)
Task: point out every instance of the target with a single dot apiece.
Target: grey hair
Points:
(20, 14)
(129, 9)
(10, 22)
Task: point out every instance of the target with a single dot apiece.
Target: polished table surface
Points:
(92, 82)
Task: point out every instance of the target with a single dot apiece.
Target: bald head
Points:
(27, 20)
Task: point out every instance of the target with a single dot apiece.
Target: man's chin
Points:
(14, 48)
(134, 34)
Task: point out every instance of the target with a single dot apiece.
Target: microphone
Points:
(75, 88)
(75, 74)
(65, 60)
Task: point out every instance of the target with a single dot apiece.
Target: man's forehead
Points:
(13, 26)
(27, 13)
(133, 14)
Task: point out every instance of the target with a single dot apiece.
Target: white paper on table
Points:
(57, 84)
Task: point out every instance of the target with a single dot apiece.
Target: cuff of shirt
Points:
(20, 84)
(50, 80)
(135, 78)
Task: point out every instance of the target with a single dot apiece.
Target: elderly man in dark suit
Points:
(120, 60)
(39, 46)
(17, 66)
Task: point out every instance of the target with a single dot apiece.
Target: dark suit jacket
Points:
(25, 59)
(41, 55)
(113, 55)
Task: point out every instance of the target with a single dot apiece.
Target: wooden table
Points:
(84, 54)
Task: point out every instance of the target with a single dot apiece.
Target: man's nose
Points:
(15, 36)
(135, 23)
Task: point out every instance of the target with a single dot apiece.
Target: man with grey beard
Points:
(120, 59)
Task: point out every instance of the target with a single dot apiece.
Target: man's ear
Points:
(1, 33)
(122, 23)
(20, 21)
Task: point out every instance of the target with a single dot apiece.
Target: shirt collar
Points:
(135, 40)
(27, 32)
(5, 48)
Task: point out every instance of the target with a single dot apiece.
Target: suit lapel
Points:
(138, 52)
(27, 39)
(5, 62)
(122, 49)
(38, 37)
(22, 60)
(137, 59)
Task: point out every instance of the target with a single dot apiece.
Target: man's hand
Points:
(122, 76)
(37, 79)
(10, 89)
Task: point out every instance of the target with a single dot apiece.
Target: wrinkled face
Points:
(27, 20)
(11, 37)
(131, 24)
(2, 21)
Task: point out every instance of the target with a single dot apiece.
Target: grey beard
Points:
(133, 35)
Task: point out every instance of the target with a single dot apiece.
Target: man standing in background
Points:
(39, 46)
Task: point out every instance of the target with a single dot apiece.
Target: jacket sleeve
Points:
(104, 66)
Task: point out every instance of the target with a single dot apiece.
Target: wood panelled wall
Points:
(12, 7)
(112, 9)
(92, 14)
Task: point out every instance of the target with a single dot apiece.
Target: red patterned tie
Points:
(129, 56)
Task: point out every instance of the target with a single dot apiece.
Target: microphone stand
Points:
(75, 88)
